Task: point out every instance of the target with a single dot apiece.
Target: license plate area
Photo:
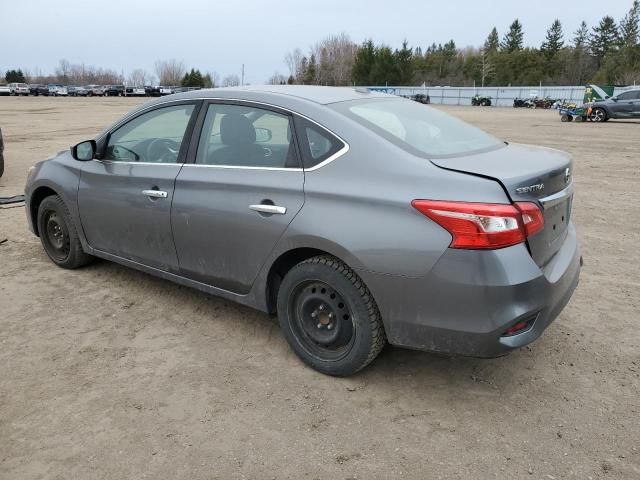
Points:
(556, 219)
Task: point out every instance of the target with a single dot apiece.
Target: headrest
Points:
(236, 129)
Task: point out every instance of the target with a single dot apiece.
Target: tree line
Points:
(607, 53)
(170, 72)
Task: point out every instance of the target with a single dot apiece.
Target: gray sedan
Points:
(358, 218)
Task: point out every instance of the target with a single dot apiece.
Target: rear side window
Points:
(317, 144)
(417, 128)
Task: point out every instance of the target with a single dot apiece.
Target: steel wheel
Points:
(322, 320)
(56, 236)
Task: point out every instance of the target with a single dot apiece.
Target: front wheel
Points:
(58, 234)
(329, 317)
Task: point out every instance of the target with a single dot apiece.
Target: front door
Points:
(125, 197)
(624, 105)
(235, 198)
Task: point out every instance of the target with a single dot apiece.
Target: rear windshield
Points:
(417, 128)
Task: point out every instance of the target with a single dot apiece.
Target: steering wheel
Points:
(163, 150)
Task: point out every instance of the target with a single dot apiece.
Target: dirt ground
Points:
(109, 373)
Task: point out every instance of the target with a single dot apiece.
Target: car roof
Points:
(316, 94)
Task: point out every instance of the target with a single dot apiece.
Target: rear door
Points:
(125, 197)
(236, 195)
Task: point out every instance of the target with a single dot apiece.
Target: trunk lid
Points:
(527, 173)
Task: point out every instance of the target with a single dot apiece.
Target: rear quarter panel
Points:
(360, 205)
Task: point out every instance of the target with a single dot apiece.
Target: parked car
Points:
(57, 90)
(19, 89)
(5, 90)
(135, 92)
(358, 217)
(36, 88)
(113, 90)
(77, 91)
(158, 91)
(623, 105)
(95, 90)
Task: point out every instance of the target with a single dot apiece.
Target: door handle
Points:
(155, 193)
(266, 208)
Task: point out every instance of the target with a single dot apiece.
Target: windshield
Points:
(417, 128)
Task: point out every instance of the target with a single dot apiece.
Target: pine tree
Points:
(193, 79)
(604, 38)
(581, 36)
(310, 72)
(14, 76)
(513, 39)
(365, 58)
(492, 43)
(629, 26)
(404, 60)
(554, 41)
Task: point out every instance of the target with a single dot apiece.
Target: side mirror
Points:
(263, 135)
(615, 99)
(84, 151)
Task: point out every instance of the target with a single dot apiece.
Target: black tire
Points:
(1, 154)
(599, 115)
(58, 234)
(357, 335)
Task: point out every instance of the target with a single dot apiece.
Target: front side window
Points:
(238, 135)
(154, 137)
(417, 128)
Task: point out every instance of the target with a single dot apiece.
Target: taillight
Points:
(483, 225)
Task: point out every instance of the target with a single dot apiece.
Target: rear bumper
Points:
(470, 298)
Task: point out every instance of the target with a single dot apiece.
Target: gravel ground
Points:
(110, 373)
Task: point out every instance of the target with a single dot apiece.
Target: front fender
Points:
(59, 175)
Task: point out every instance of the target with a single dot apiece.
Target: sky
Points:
(221, 35)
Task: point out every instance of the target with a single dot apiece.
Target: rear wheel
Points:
(578, 118)
(58, 234)
(599, 115)
(564, 118)
(329, 317)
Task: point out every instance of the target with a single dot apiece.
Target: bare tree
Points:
(138, 78)
(336, 55)
(487, 70)
(63, 70)
(277, 79)
(170, 72)
(211, 80)
(231, 81)
(293, 60)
